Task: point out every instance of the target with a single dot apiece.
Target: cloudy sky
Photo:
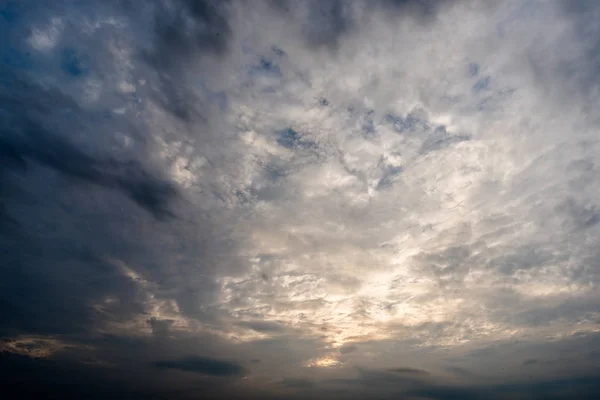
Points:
(317, 199)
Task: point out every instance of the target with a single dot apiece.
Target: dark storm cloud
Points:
(34, 143)
(386, 385)
(78, 182)
(53, 264)
(30, 133)
(40, 378)
(60, 184)
(203, 365)
(407, 382)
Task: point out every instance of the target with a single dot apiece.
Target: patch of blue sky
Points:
(408, 123)
(278, 51)
(441, 139)
(10, 11)
(290, 139)
(368, 126)
(482, 84)
(72, 64)
(473, 69)
(265, 66)
(274, 172)
(389, 176)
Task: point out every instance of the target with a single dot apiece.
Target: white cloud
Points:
(45, 38)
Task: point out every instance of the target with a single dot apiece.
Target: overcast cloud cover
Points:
(394, 199)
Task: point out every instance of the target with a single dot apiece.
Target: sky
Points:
(277, 199)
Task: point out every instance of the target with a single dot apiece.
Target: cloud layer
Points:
(340, 199)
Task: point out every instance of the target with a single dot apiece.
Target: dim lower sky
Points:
(337, 199)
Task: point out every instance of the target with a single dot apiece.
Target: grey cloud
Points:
(473, 69)
(52, 151)
(482, 84)
(581, 216)
(160, 327)
(187, 26)
(25, 138)
(388, 176)
(291, 139)
(326, 23)
(408, 371)
(297, 383)
(414, 121)
(556, 309)
(440, 138)
(461, 372)
(177, 99)
(375, 383)
(450, 265)
(262, 326)
(77, 182)
(323, 23)
(424, 6)
(347, 349)
(402, 380)
(574, 73)
(183, 31)
(47, 171)
(581, 13)
(450, 393)
(387, 386)
(203, 365)
(433, 138)
(66, 379)
(521, 258)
